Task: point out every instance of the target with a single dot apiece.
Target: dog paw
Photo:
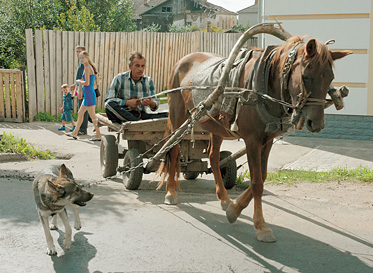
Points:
(53, 227)
(51, 251)
(67, 243)
(77, 226)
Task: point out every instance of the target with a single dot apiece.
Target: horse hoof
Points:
(225, 204)
(266, 237)
(231, 216)
(171, 200)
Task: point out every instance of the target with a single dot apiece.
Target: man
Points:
(79, 76)
(130, 92)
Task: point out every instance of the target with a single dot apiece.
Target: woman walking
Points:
(89, 98)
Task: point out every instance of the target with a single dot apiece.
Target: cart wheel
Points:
(190, 175)
(132, 179)
(108, 155)
(229, 172)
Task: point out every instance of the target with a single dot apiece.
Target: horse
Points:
(303, 83)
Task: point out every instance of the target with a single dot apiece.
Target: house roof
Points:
(252, 7)
(140, 8)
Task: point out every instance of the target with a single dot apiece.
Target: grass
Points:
(289, 177)
(12, 144)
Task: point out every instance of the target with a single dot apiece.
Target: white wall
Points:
(345, 21)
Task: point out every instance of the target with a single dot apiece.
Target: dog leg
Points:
(77, 223)
(65, 221)
(51, 249)
(53, 225)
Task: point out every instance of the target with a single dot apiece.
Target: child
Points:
(67, 108)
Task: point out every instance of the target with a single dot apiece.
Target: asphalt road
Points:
(319, 227)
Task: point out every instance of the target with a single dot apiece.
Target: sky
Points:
(233, 5)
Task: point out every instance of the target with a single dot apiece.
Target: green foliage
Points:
(239, 28)
(152, 28)
(213, 29)
(12, 144)
(77, 19)
(362, 174)
(69, 15)
(182, 29)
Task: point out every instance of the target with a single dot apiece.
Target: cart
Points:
(142, 136)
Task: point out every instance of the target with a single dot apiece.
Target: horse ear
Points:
(340, 54)
(311, 47)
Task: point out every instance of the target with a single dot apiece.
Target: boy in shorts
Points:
(67, 108)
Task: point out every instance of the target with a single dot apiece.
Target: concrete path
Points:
(320, 227)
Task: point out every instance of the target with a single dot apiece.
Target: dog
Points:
(55, 187)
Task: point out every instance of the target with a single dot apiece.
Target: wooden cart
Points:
(141, 136)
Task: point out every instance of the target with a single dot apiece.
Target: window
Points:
(166, 9)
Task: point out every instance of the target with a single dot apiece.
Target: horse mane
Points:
(322, 57)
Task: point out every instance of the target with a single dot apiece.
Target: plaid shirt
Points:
(123, 87)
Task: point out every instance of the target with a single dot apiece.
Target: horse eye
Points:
(306, 78)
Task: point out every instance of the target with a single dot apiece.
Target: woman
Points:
(89, 98)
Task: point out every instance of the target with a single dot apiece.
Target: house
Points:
(350, 25)
(248, 16)
(182, 13)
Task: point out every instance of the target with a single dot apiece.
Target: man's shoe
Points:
(61, 128)
(72, 129)
(82, 133)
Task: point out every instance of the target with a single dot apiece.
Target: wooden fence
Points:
(51, 58)
(12, 104)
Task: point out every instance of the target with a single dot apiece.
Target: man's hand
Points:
(149, 102)
(132, 103)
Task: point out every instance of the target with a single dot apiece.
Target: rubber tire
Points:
(108, 155)
(191, 175)
(228, 173)
(132, 180)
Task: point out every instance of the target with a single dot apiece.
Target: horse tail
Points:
(167, 164)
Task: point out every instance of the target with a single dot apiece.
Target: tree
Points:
(76, 15)
(77, 19)
(15, 17)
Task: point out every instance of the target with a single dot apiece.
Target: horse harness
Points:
(258, 82)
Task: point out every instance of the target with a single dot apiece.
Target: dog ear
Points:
(56, 188)
(63, 171)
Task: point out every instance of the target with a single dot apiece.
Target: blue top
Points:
(67, 102)
(89, 94)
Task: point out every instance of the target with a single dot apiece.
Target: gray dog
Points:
(54, 188)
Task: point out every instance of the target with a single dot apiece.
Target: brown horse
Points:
(307, 81)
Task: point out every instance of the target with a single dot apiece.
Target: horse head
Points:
(307, 72)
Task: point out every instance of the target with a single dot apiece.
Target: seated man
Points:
(130, 92)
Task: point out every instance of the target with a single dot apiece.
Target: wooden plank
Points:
(31, 74)
(105, 79)
(123, 52)
(59, 68)
(65, 55)
(116, 54)
(12, 86)
(72, 66)
(101, 44)
(47, 86)
(7, 96)
(52, 67)
(96, 48)
(2, 106)
(19, 97)
(39, 66)
(111, 56)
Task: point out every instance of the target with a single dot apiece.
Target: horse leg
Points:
(257, 158)
(214, 156)
(173, 176)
